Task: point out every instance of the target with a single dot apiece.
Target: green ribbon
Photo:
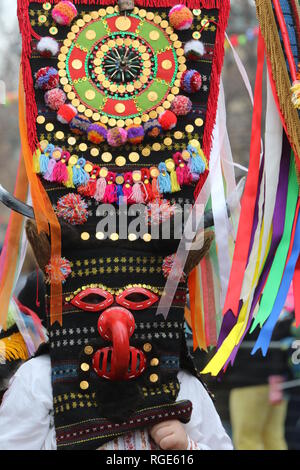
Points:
(280, 258)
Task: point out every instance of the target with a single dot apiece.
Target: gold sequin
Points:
(63, 80)
(100, 236)
(85, 236)
(157, 19)
(199, 122)
(152, 96)
(137, 121)
(53, 31)
(156, 147)
(147, 347)
(178, 135)
(88, 113)
(132, 237)
(49, 127)
(147, 237)
(90, 95)
(59, 135)
(134, 157)
(123, 23)
(42, 19)
(196, 35)
(120, 123)
(189, 128)
(142, 13)
(83, 147)
(84, 366)
(153, 378)
(146, 152)
(73, 160)
(112, 122)
(120, 108)
(77, 64)
(40, 119)
(114, 237)
(154, 362)
(87, 18)
(84, 385)
(47, 6)
(104, 119)
(167, 105)
(164, 24)
(120, 179)
(120, 161)
(154, 35)
(94, 152)
(88, 167)
(150, 15)
(110, 10)
(88, 350)
(166, 64)
(205, 23)
(71, 141)
(96, 117)
(106, 157)
(168, 141)
(153, 114)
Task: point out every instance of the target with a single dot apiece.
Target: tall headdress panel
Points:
(121, 100)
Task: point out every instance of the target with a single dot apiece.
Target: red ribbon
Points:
(249, 199)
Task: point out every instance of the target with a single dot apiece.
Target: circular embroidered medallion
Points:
(121, 68)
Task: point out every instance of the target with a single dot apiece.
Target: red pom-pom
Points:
(66, 113)
(73, 209)
(167, 120)
(181, 105)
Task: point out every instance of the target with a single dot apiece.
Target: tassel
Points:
(69, 183)
(110, 195)
(80, 176)
(164, 181)
(50, 168)
(36, 161)
(147, 185)
(43, 163)
(170, 165)
(89, 189)
(155, 192)
(120, 193)
(137, 194)
(60, 173)
(127, 186)
(100, 189)
(196, 162)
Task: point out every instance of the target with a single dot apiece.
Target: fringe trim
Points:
(13, 348)
(209, 4)
(214, 87)
(280, 75)
(31, 106)
(296, 13)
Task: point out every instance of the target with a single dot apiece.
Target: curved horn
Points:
(14, 204)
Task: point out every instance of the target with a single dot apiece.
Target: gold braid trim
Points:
(280, 74)
(12, 348)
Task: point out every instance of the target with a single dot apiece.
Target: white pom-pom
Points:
(194, 50)
(48, 47)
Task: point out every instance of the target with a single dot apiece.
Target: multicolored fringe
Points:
(267, 248)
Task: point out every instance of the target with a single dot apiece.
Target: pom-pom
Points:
(167, 266)
(152, 128)
(135, 134)
(194, 50)
(58, 269)
(181, 17)
(97, 133)
(167, 120)
(73, 209)
(191, 81)
(66, 113)
(181, 105)
(55, 98)
(47, 47)
(116, 137)
(80, 124)
(64, 13)
(46, 78)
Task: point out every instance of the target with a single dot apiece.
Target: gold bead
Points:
(123, 23)
(114, 237)
(120, 161)
(154, 35)
(96, 117)
(152, 96)
(83, 147)
(47, 6)
(106, 157)
(95, 152)
(59, 135)
(120, 108)
(189, 128)
(84, 385)
(166, 64)
(53, 31)
(156, 147)
(84, 366)
(100, 235)
(178, 135)
(42, 19)
(76, 64)
(132, 237)
(199, 122)
(146, 152)
(147, 237)
(134, 157)
(168, 141)
(88, 113)
(90, 95)
(147, 347)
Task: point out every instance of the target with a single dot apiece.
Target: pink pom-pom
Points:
(181, 105)
(64, 13)
(167, 266)
(181, 17)
(167, 120)
(116, 137)
(73, 209)
(66, 113)
(47, 47)
(55, 98)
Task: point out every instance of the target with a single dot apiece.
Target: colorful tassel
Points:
(164, 181)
